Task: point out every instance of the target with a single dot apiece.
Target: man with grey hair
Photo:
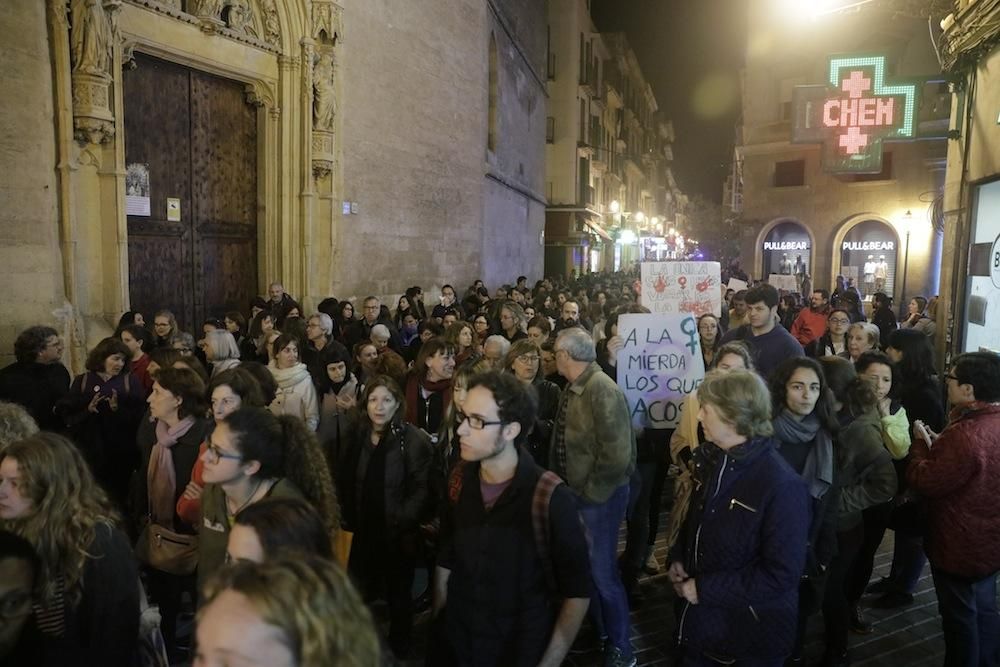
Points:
(371, 314)
(593, 449)
(319, 343)
(280, 300)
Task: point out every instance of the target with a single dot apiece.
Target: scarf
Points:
(289, 377)
(161, 478)
(413, 397)
(818, 471)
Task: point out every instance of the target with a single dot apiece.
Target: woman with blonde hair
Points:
(279, 613)
(221, 351)
(88, 599)
(861, 337)
(743, 545)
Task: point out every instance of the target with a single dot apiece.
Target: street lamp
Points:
(615, 206)
(639, 217)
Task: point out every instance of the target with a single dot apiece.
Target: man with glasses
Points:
(593, 449)
(769, 343)
(811, 322)
(370, 316)
(500, 501)
(37, 380)
(958, 473)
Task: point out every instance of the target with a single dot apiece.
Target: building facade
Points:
(881, 224)
(185, 153)
(971, 267)
(608, 149)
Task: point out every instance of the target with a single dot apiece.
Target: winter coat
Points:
(959, 476)
(866, 475)
(184, 454)
(744, 543)
(37, 387)
(296, 394)
(597, 432)
(406, 484)
(809, 325)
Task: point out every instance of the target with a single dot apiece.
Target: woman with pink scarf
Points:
(169, 444)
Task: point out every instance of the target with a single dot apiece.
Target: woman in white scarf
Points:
(296, 394)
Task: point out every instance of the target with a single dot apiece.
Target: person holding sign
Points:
(593, 449)
(743, 547)
(769, 343)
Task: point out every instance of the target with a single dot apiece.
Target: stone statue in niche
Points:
(206, 8)
(324, 104)
(91, 40)
(239, 17)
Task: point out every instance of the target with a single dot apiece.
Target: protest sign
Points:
(787, 283)
(658, 366)
(736, 284)
(682, 287)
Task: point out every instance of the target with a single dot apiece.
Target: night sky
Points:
(691, 52)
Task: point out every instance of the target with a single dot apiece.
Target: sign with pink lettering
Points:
(855, 112)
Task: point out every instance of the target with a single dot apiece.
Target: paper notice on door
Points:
(173, 209)
(137, 189)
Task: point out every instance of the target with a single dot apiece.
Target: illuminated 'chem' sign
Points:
(854, 113)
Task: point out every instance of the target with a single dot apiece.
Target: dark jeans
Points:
(908, 560)
(705, 661)
(637, 522)
(969, 619)
(608, 602)
(836, 608)
(810, 600)
(386, 575)
(876, 519)
(166, 590)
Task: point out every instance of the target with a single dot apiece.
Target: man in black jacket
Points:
(37, 380)
(500, 504)
(362, 329)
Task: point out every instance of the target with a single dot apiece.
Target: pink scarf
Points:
(161, 478)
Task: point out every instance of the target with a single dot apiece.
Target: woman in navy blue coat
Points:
(742, 549)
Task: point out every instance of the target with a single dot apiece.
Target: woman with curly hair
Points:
(279, 612)
(88, 599)
(385, 495)
(102, 412)
(16, 423)
(253, 455)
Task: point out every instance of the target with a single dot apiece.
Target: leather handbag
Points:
(164, 550)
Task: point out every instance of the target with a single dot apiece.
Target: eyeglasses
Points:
(216, 454)
(949, 376)
(475, 422)
(528, 358)
(838, 320)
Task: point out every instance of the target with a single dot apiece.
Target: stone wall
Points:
(33, 291)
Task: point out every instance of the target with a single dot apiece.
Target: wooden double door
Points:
(198, 136)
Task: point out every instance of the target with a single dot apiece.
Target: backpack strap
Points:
(544, 488)
(455, 482)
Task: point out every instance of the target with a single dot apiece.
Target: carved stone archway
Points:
(284, 52)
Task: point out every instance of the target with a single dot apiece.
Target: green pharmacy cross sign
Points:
(854, 113)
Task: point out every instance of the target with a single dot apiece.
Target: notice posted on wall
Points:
(682, 287)
(137, 189)
(659, 365)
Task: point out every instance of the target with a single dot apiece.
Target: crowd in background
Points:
(283, 473)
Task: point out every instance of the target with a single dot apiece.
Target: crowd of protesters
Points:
(284, 472)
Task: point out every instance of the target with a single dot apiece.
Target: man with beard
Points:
(508, 521)
(569, 317)
(811, 322)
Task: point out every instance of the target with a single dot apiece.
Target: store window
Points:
(787, 250)
(982, 306)
(868, 255)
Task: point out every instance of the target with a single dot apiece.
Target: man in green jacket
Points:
(593, 449)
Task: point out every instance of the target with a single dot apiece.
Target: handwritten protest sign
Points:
(682, 287)
(779, 281)
(659, 365)
(736, 284)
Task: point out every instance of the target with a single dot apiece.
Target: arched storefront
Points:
(869, 253)
(786, 249)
